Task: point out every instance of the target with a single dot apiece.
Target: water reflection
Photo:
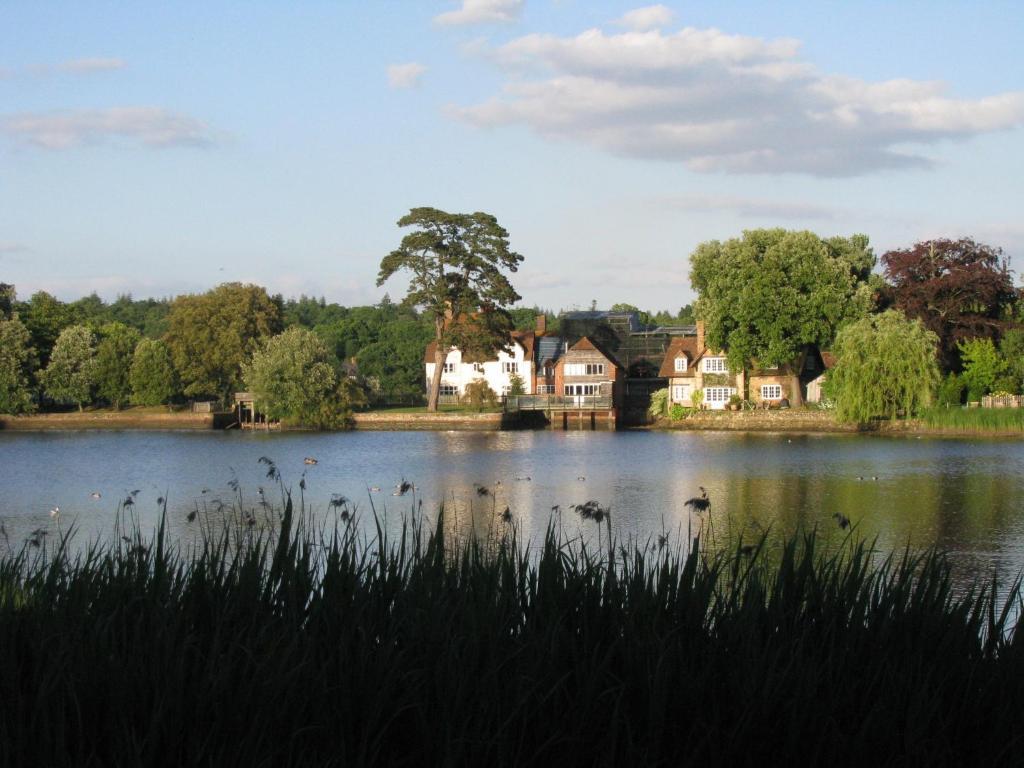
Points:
(962, 495)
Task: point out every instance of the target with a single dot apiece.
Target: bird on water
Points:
(699, 503)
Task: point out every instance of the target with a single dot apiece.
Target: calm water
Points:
(963, 495)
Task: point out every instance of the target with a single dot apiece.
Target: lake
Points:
(963, 495)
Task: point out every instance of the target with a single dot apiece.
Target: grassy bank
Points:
(294, 645)
(975, 420)
(108, 418)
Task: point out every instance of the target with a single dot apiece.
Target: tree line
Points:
(940, 322)
(311, 359)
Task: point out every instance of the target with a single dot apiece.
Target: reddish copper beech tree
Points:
(959, 289)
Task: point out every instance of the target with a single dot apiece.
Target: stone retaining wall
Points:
(399, 421)
(792, 420)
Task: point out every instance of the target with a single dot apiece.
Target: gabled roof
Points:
(524, 339)
(586, 344)
(684, 345)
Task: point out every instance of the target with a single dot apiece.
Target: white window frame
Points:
(771, 391)
(448, 390)
(714, 395)
(584, 369)
(448, 368)
(510, 366)
(581, 390)
(716, 365)
(478, 367)
(681, 365)
(545, 389)
(679, 393)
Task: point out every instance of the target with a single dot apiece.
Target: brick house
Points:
(689, 367)
(586, 369)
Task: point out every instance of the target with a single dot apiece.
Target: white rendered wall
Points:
(493, 374)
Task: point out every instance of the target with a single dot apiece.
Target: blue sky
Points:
(163, 148)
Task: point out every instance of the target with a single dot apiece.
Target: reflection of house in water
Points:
(248, 414)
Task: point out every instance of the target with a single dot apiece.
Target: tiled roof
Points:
(588, 344)
(524, 339)
(685, 345)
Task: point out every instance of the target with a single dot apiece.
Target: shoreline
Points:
(793, 422)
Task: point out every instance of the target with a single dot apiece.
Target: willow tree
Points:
(886, 366)
(455, 263)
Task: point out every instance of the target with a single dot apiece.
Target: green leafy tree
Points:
(1011, 347)
(456, 264)
(658, 406)
(885, 366)
(17, 364)
(768, 294)
(292, 379)
(45, 317)
(951, 391)
(114, 362)
(70, 375)
(211, 335)
(479, 395)
(982, 366)
(7, 299)
(516, 385)
(152, 376)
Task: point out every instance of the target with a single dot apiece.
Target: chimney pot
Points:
(541, 326)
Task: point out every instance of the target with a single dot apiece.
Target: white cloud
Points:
(83, 66)
(648, 17)
(6, 248)
(483, 12)
(149, 126)
(721, 102)
(405, 75)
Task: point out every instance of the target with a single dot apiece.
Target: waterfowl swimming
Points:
(309, 460)
(54, 512)
(95, 495)
(699, 503)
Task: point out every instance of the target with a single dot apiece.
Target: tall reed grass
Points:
(303, 645)
(975, 419)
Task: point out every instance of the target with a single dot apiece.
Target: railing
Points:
(514, 403)
(1004, 401)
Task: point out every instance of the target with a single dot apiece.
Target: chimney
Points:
(541, 326)
(700, 336)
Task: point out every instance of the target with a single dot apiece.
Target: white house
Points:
(498, 372)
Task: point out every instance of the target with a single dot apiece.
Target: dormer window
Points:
(680, 364)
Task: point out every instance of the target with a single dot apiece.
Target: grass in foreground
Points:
(975, 419)
(315, 647)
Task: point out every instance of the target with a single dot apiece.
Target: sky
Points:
(162, 148)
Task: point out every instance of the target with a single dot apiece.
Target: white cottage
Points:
(459, 370)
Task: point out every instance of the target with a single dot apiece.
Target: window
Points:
(575, 390)
(449, 389)
(771, 392)
(713, 395)
(584, 369)
(545, 389)
(681, 393)
(478, 367)
(512, 367)
(715, 365)
(680, 364)
(449, 367)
